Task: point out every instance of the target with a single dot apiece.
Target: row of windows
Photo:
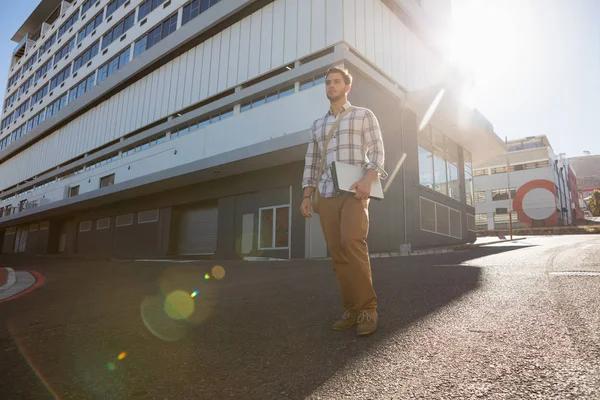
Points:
(82, 34)
(525, 146)
(268, 98)
(158, 33)
(140, 147)
(86, 56)
(438, 165)
(497, 195)
(196, 8)
(143, 217)
(512, 168)
(89, 28)
(161, 31)
(119, 29)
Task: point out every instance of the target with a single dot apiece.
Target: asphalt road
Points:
(492, 323)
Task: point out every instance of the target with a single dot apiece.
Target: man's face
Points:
(335, 86)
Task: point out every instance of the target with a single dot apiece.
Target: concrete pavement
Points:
(491, 322)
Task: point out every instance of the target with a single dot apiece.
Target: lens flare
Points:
(122, 355)
(111, 366)
(194, 294)
(179, 305)
(158, 322)
(207, 277)
(218, 272)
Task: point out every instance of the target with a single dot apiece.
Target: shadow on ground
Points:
(262, 332)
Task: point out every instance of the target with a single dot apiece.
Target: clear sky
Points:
(538, 61)
(539, 69)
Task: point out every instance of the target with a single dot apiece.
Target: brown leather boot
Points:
(367, 322)
(349, 319)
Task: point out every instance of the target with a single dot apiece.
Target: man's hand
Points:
(306, 208)
(363, 189)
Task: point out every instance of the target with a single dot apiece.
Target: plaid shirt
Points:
(357, 141)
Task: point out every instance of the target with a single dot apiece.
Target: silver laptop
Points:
(344, 175)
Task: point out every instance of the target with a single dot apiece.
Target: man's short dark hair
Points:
(343, 71)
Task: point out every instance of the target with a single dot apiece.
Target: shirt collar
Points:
(344, 108)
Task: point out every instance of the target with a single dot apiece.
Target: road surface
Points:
(511, 321)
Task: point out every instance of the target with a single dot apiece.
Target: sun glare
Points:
(485, 37)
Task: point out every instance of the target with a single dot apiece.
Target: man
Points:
(345, 217)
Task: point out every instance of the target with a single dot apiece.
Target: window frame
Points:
(274, 238)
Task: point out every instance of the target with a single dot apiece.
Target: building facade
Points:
(530, 185)
(153, 128)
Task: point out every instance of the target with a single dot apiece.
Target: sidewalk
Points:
(7, 279)
(14, 284)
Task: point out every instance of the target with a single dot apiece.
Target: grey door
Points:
(316, 247)
(198, 231)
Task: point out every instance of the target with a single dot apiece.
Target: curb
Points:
(38, 281)
(10, 281)
(443, 250)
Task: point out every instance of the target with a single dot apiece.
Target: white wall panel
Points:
(174, 84)
(114, 111)
(189, 77)
(197, 81)
(245, 29)
(234, 55)
(304, 34)
(255, 35)
(146, 101)
(387, 41)
(361, 35)
(334, 15)
(370, 29)
(101, 129)
(278, 33)
(224, 60)
(318, 25)
(377, 31)
(114, 123)
(207, 50)
(266, 39)
(215, 58)
(164, 89)
(349, 20)
(291, 31)
(181, 82)
(135, 89)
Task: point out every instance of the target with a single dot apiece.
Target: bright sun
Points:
(485, 37)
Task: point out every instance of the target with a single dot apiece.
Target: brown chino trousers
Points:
(345, 224)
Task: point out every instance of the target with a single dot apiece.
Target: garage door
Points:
(198, 231)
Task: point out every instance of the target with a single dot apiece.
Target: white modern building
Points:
(177, 127)
(530, 182)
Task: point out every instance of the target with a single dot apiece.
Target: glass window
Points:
(281, 227)
(480, 197)
(453, 181)
(274, 228)
(425, 167)
(440, 183)
(266, 228)
(481, 219)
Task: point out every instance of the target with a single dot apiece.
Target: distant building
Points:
(587, 170)
(541, 191)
